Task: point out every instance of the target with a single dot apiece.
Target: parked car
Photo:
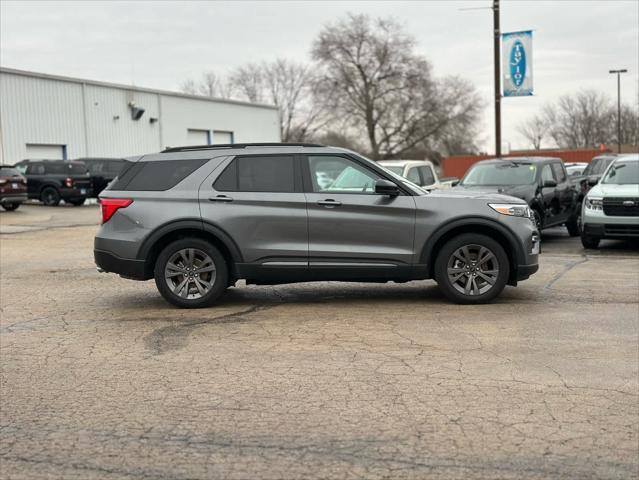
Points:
(13, 188)
(420, 172)
(611, 208)
(575, 168)
(102, 171)
(199, 219)
(540, 181)
(53, 180)
(591, 174)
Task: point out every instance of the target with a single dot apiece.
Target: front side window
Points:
(427, 176)
(333, 174)
(413, 176)
(35, 169)
(559, 172)
(257, 173)
(546, 174)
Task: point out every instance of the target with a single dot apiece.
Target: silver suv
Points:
(197, 219)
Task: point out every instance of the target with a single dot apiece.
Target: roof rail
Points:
(237, 145)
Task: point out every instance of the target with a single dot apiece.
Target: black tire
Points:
(77, 203)
(9, 207)
(538, 221)
(447, 255)
(574, 224)
(200, 248)
(50, 196)
(588, 241)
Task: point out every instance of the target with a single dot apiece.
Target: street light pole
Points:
(618, 72)
(496, 46)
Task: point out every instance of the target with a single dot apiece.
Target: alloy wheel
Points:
(472, 269)
(190, 273)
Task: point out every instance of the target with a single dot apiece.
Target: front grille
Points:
(622, 230)
(614, 206)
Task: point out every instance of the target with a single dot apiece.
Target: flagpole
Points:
(496, 45)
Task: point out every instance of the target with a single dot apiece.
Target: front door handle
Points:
(220, 198)
(329, 202)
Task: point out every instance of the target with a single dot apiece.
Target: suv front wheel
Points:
(472, 268)
(191, 273)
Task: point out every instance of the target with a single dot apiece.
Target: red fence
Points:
(456, 166)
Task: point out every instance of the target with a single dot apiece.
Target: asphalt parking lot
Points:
(100, 378)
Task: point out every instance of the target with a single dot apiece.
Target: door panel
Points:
(350, 225)
(364, 228)
(266, 226)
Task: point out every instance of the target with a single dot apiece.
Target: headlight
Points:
(594, 203)
(514, 210)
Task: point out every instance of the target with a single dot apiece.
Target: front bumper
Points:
(597, 224)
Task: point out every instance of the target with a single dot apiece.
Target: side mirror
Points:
(455, 182)
(592, 181)
(549, 184)
(384, 187)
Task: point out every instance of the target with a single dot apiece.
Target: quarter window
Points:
(156, 176)
(340, 175)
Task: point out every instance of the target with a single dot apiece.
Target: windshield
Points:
(506, 173)
(623, 173)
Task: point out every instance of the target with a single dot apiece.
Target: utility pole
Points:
(496, 45)
(618, 72)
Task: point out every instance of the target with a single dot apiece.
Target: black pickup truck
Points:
(541, 181)
(53, 180)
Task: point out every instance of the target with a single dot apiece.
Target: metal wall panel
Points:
(39, 111)
(94, 118)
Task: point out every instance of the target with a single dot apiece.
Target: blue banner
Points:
(516, 57)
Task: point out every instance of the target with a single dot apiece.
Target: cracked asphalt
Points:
(101, 379)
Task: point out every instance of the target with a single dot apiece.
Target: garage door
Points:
(220, 137)
(197, 137)
(46, 151)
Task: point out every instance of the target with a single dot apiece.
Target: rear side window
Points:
(156, 176)
(258, 174)
(8, 172)
(65, 168)
(427, 176)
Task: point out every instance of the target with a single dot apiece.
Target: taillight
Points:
(112, 205)
(68, 182)
(3, 181)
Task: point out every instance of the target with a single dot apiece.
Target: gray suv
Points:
(197, 219)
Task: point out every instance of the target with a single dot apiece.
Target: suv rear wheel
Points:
(191, 273)
(50, 197)
(472, 268)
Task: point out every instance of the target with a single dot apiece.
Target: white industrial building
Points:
(48, 116)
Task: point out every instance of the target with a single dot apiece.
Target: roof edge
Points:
(61, 78)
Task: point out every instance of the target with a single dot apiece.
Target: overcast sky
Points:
(159, 44)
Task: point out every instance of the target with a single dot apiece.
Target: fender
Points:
(194, 224)
(426, 255)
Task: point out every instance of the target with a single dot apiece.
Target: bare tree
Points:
(582, 120)
(209, 85)
(382, 86)
(291, 87)
(629, 125)
(534, 130)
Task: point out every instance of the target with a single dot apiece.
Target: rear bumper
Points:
(75, 193)
(13, 198)
(525, 271)
(108, 262)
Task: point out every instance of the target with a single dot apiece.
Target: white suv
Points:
(611, 208)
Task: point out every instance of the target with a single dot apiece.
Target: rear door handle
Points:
(329, 202)
(220, 198)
